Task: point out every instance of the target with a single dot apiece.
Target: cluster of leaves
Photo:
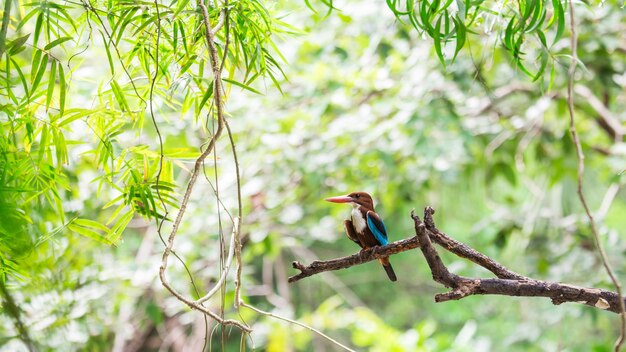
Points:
(157, 64)
(103, 103)
(452, 21)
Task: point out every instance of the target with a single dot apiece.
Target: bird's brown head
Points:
(356, 198)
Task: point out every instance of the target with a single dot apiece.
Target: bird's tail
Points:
(388, 268)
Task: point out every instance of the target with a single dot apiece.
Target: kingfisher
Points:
(365, 227)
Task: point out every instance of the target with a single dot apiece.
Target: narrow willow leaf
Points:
(119, 96)
(185, 67)
(424, 12)
(508, 35)
(111, 203)
(40, 72)
(62, 9)
(276, 83)
(175, 32)
(35, 63)
(16, 45)
(241, 85)
(60, 148)
(522, 67)
(125, 20)
(180, 6)
(559, 14)
(528, 8)
(88, 233)
(43, 143)
(90, 224)
(460, 35)
(437, 41)
(148, 21)
(56, 42)
(120, 226)
(308, 4)
(26, 18)
(51, 83)
(205, 97)
(62, 91)
(537, 23)
(152, 201)
(75, 114)
(109, 57)
(38, 25)
(22, 77)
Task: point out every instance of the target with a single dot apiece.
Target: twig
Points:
(222, 279)
(581, 171)
(221, 22)
(364, 256)
(295, 322)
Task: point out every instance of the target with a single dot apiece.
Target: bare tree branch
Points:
(364, 256)
(507, 283)
(523, 287)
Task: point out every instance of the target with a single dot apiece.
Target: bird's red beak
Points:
(340, 199)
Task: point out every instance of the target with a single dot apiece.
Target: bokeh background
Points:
(366, 105)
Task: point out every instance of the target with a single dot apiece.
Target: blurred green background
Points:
(366, 105)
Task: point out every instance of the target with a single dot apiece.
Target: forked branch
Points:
(506, 283)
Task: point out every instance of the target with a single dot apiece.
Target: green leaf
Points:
(244, 86)
(89, 233)
(437, 41)
(119, 96)
(109, 57)
(559, 15)
(38, 25)
(75, 114)
(90, 224)
(56, 42)
(62, 91)
(15, 45)
(43, 143)
(120, 226)
(460, 36)
(40, 72)
(22, 77)
(51, 83)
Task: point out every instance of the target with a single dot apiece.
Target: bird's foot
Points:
(361, 253)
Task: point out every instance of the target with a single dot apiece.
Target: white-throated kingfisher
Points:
(365, 228)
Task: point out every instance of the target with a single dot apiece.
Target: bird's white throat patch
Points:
(357, 219)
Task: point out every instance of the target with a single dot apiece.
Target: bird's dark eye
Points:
(357, 195)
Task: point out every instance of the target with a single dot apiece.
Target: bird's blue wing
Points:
(377, 227)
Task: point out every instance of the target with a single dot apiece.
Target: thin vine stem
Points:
(581, 170)
(198, 166)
